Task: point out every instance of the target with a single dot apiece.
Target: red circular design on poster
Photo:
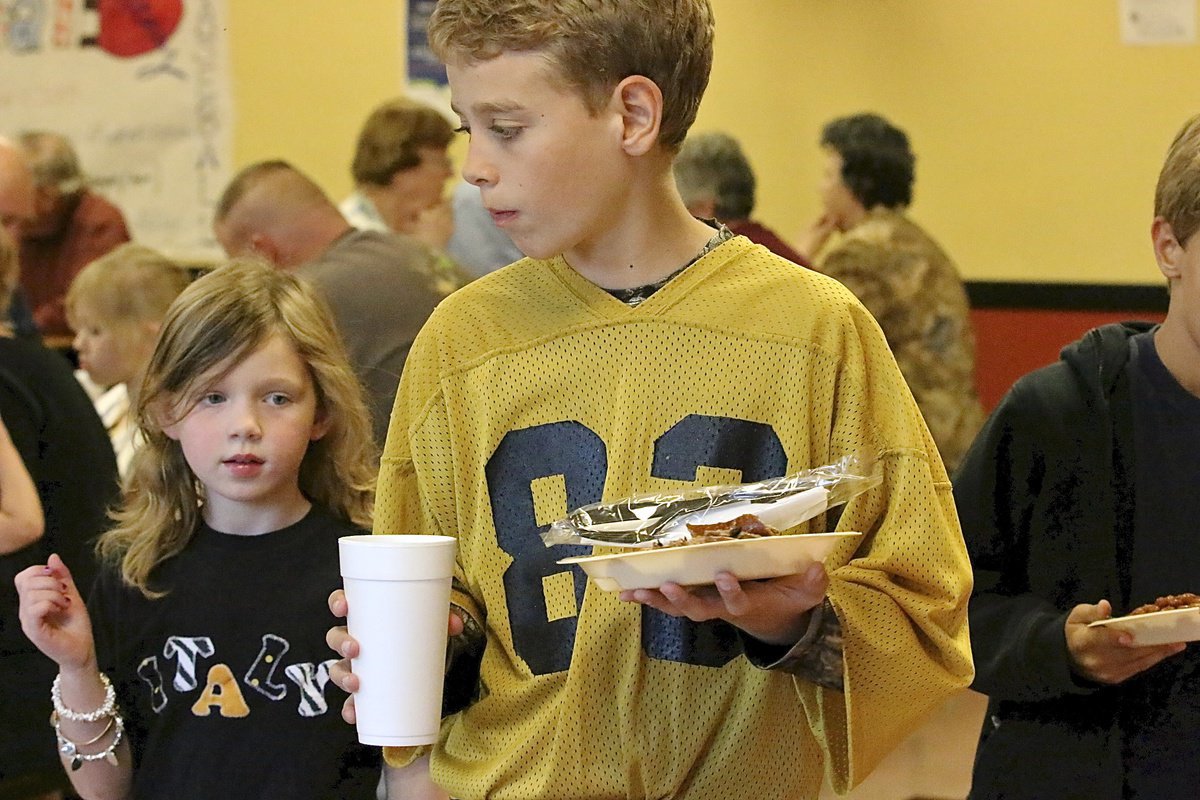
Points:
(132, 27)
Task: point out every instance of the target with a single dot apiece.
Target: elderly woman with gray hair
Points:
(716, 181)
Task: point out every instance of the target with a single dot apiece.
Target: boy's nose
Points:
(476, 170)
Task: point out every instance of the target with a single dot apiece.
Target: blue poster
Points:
(423, 66)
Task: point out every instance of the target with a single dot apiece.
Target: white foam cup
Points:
(398, 591)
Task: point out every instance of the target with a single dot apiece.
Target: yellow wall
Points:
(305, 75)
(1038, 135)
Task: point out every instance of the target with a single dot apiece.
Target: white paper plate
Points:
(698, 564)
(1158, 627)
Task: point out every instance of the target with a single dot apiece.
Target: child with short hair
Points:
(639, 350)
(196, 669)
(116, 305)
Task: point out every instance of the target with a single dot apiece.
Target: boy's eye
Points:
(505, 132)
(212, 398)
(278, 399)
(463, 129)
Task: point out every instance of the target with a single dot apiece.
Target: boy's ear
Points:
(1167, 249)
(641, 105)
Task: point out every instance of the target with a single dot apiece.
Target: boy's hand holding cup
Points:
(398, 595)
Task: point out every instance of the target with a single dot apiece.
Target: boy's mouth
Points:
(244, 458)
(500, 217)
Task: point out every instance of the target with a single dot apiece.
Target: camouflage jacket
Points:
(913, 289)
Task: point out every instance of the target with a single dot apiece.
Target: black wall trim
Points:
(1068, 296)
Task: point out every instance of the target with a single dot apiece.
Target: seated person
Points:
(116, 306)
(380, 286)
(899, 272)
(715, 180)
(72, 227)
(400, 170)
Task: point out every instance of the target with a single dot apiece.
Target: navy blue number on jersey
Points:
(576, 453)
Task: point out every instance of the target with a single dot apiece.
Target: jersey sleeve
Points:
(902, 594)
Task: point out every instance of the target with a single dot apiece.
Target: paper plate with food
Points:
(696, 562)
(749, 530)
(1169, 619)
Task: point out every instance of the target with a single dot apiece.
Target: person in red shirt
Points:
(72, 227)
(716, 181)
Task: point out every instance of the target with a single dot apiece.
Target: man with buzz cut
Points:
(381, 286)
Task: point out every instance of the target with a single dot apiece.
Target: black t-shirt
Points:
(1159, 728)
(224, 682)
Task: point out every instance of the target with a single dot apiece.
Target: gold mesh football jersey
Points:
(532, 391)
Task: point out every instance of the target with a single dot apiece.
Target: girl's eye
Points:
(278, 399)
(505, 132)
(212, 398)
(463, 129)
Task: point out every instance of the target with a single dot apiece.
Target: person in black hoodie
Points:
(1078, 502)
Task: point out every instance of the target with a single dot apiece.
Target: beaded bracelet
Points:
(109, 708)
(70, 749)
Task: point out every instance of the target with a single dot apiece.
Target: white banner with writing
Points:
(142, 89)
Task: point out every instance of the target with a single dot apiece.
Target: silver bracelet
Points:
(70, 749)
(108, 709)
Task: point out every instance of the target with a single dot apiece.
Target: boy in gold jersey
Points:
(637, 350)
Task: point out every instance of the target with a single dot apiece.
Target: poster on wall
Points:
(142, 89)
(426, 75)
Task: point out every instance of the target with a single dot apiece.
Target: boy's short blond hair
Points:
(1177, 196)
(131, 284)
(593, 45)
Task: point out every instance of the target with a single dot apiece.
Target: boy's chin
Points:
(542, 253)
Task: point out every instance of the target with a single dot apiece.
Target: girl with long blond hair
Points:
(197, 668)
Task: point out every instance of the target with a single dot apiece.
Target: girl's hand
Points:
(774, 611)
(53, 615)
(340, 641)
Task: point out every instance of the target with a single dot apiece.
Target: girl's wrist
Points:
(81, 677)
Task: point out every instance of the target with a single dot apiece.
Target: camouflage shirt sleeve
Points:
(817, 657)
